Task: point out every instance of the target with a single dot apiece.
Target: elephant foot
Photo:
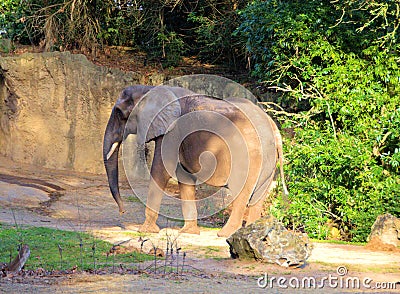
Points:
(149, 228)
(223, 233)
(226, 232)
(190, 229)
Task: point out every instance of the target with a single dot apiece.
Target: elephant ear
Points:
(156, 112)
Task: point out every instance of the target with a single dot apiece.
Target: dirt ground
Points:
(82, 202)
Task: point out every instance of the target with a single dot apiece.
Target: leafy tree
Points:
(212, 23)
(337, 68)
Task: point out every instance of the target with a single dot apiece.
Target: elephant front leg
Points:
(189, 209)
(158, 182)
(154, 199)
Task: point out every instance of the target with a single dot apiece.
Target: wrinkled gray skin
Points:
(263, 145)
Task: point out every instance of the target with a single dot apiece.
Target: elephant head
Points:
(114, 135)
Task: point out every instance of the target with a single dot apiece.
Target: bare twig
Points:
(329, 109)
(94, 255)
(60, 250)
(183, 262)
(278, 112)
(166, 254)
(155, 259)
(19, 261)
(340, 20)
(177, 259)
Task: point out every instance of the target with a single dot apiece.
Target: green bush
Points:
(13, 15)
(71, 24)
(338, 70)
(172, 48)
(212, 27)
(165, 30)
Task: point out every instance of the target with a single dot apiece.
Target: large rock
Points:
(54, 108)
(386, 229)
(268, 240)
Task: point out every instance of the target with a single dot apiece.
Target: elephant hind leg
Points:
(254, 212)
(236, 218)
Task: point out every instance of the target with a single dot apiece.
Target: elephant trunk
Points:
(110, 156)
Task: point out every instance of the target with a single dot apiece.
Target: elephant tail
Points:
(279, 149)
(281, 161)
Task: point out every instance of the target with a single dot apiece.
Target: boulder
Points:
(386, 229)
(268, 240)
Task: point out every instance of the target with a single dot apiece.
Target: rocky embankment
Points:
(54, 108)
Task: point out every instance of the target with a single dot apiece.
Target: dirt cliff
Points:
(54, 108)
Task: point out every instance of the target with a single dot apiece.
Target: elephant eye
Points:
(119, 114)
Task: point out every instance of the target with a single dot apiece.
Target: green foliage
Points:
(172, 48)
(166, 30)
(213, 24)
(77, 249)
(82, 24)
(13, 15)
(338, 70)
(202, 28)
(119, 22)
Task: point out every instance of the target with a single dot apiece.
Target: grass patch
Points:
(132, 199)
(210, 249)
(213, 252)
(54, 249)
(136, 234)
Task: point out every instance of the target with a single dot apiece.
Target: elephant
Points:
(241, 155)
